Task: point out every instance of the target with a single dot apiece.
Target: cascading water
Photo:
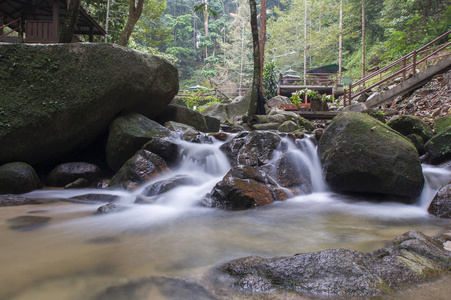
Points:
(78, 254)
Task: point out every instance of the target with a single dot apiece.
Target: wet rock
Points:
(183, 115)
(213, 124)
(221, 136)
(360, 154)
(163, 186)
(128, 133)
(251, 148)
(157, 288)
(77, 184)
(292, 172)
(441, 204)
(18, 178)
(232, 128)
(26, 223)
(236, 193)
(439, 147)
(95, 198)
(411, 258)
(165, 148)
(142, 167)
(67, 173)
(441, 124)
(15, 200)
(288, 126)
(108, 208)
(188, 132)
(411, 125)
(318, 133)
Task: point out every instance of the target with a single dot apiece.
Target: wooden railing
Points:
(408, 64)
(311, 79)
(17, 29)
(39, 31)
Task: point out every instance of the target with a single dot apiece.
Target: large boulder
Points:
(277, 101)
(441, 204)
(18, 178)
(408, 124)
(164, 147)
(439, 146)
(142, 167)
(183, 115)
(442, 123)
(56, 99)
(227, 111)
(360, 154)
(411, 258)
(128, 133)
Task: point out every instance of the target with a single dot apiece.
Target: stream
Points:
(77, 254)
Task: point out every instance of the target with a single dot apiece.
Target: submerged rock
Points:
(157, 288)
(26, 223)
(73, 91)
(142, 167)
(360, 154)
(411, 258)
(18, 178)
(95, 198)
(67, 173)
(108, 208)
(441, 204)
(128, 133)
(163, 186)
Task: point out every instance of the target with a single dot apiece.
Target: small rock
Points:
(67, 173)
(18, 178)
(95, 198)
(15, 200)
(108, 208)
(77, 184)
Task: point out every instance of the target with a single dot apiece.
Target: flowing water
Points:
(78, 254)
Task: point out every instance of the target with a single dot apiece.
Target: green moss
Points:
(441, 124)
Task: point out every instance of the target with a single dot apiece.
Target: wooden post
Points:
(404, 66)
(55, 20)
(414, 64)
(350, 88)
(344, 97)
(363, 39)
(91, 34)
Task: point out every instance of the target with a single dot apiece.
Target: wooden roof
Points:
(42, 10)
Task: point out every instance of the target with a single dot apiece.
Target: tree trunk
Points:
(206, 25)
(67, 31)
(262, 40)
(134, 13)
(340, 41)
(305, 42)
(256, 55)
(363, 38)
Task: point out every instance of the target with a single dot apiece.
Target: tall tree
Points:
(67, 31)
(256, 56)
(262, 39)
(135, 10)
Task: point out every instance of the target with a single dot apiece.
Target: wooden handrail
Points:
(18, 28)
(404, 69)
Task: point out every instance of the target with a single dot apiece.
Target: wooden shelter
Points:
(40, 21)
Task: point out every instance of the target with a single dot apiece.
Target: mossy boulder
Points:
(288, 126)
(183, 115)
(227, 111)
(441, 124)
(360, 154)
(18, 178)
(417, 141)
(411, 125)
(439, 147)
(56, 99)
(128, 133)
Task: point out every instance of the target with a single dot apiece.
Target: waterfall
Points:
(434, 179)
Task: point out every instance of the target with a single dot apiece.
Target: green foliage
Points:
(199, 99)
(270, 80)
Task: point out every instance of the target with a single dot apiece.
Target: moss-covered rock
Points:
(417, 141)
(56, 99)
(18, 178)
(128, 133)
(183, 115)
(288, 126)
(411, 125)
(442, 123)
(360, 154)
(439, 147)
